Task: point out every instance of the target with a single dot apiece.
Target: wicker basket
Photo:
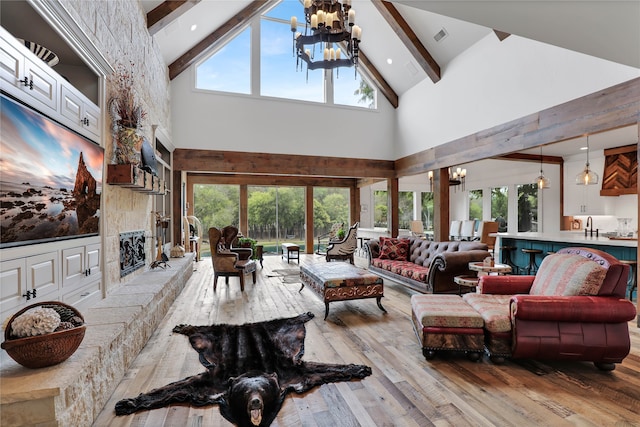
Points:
(43, 350)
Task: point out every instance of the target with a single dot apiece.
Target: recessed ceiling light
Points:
(584, 148)
(389, 61)
(193, 27)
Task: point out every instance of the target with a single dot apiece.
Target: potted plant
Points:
(341, 233)
(247, 242)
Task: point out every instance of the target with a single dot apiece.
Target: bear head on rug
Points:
(250, 370)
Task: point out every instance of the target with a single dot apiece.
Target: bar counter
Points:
(552, 242)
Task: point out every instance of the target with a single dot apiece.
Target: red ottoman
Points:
(447, 322)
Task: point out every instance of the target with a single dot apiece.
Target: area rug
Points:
(288, 275)
(250, 369)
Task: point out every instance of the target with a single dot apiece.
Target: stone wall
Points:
(118, 29)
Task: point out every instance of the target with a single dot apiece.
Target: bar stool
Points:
(633, 276)
(532, 266)
(506, 258)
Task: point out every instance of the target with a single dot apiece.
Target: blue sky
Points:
(229, 68)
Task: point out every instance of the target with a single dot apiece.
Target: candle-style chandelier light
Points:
(328, 23)
(456, 178)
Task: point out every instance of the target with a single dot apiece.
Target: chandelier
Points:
(587, 176)
(328, 22)
(542, 181)
(456, 178)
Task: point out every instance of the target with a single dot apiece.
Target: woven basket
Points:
(43, 350)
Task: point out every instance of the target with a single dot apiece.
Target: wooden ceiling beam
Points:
(196, 52)
(409, 38)
(167, 12)
(501, 34)
(531, 158)
(192, 160)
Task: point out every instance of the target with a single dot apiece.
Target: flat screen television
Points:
(50, 178)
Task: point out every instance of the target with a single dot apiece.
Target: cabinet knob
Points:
(29, 294)
(27, 83)
(85, 121)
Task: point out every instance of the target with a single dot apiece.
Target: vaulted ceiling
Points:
(403, 31)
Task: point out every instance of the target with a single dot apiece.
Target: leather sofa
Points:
(572, 309)
(423, 265)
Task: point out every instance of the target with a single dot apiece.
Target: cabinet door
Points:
(11, 66)
(85, 296)
(93, 258)
(13, 284)
(42, 275)
(73, 268)
(42, 86)
(80, 112)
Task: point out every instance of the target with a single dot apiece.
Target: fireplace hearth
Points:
(132, 252)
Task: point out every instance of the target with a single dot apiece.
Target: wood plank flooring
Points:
(404, 390)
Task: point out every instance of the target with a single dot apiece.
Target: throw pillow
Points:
(394, 249)
(569, 275)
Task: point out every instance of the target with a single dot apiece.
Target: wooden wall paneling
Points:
(354, 200)
(393, 223)
(441, 205)
(309, 229)
(244, 210)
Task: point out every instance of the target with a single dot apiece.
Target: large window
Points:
(475, 204)
(276, 214)
(281, 74)
(499, 207)
(216, 205)
(527, 207)
(229, 68)
(381, 208)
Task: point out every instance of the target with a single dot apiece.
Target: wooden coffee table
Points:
(341, 281)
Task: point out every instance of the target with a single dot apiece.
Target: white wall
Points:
(216, 121)
(494, 82)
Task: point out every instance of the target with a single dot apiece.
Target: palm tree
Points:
(366, 93)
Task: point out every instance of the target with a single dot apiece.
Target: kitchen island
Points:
(552, 242)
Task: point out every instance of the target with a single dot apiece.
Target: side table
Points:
(468, 282)
(483, 269)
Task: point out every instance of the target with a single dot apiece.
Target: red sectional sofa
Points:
(574, 308)
(424, 265)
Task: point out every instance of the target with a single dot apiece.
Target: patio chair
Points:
(344, 249)
(328, 237)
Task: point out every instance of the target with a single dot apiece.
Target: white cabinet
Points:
(80, 111)
(583, 199)
(24, 75)
(71, 273)
(81, 273)
(26, 280)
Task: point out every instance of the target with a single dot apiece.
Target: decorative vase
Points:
(129, 143)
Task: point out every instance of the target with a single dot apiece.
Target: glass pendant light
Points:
(541, 181)
(587, 176)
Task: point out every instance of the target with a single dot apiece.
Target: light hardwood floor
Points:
(404, 390)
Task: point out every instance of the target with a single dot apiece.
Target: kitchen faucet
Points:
(589, 224)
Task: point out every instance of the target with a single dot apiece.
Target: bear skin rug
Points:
(250, 370)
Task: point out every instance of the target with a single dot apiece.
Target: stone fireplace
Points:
(132, 251)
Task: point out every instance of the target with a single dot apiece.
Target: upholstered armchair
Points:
(230, 235)
(227, 263)
(326, 238)
(574, 308)
(344, 249)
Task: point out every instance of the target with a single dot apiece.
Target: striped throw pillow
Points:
(568, 274)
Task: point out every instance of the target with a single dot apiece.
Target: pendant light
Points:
(587, 176)
(542, 181)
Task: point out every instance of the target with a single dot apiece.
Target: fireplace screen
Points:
(132, 254)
